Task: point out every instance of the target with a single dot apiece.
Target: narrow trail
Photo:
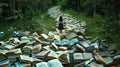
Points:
(72, 23)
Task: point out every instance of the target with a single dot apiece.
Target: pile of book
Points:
(71, 48)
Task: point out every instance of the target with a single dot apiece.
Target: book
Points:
(43, 54)
(35, 34)
(80, 48)
(54, 63)
(24, 58)
(71, 35)
(77, 56)
(5, 63)
(64, 58)
(47, 48)
(44, 36)
(84, 44)
(36, 48)
(65, 42)
(105, 60)
(52, 55)
(95, 65)
(32, 49)
(50, 63)
(73, 41)
(87, 55)
(2, 57)
(82, 56)
(42, 64)
(54, 46)
(27, 49)
(96, 46)
(8, 47)
(11, 52)
(14, 52)
(57, 37)
(117, 57)
(24, 39)
(21, 64)
(63, 48)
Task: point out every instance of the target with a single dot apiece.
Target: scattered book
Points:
(24, 58)
(82, 56)
(77, 56)
(50, 63)
(105, 60)
(80, 48)
(43, 54)
(54, 63)
(44, 36)
(52, 55)
(71, 35)
(64, 58)
(54, 46)
(8, 47)
(32, 49)
(84, 44)
(42, 64)
(5, 63)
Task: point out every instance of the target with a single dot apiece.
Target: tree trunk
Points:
(78, 5)
(12, 4)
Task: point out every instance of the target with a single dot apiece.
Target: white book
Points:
(36, 48)
(24, 58)
(105, 60)
(80, 48)
(87, 55)
(45, 36)
(19, 64)
(84, 44)
(5, 63)
(54, 46)
(14, 52)
(95, 45)
(43, 54)
(42, 64)
(52, 55)
(54, 63)
(65, 58)
(50, 63)
(9, 47)
(78, 56)
(116, 57)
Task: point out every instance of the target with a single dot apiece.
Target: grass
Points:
(38, 24)
(44, 20)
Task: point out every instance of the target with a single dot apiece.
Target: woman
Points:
(60, 26)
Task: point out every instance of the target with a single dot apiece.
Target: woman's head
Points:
(60, 18)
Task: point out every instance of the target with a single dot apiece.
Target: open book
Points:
(20, 64)
(43, 54)
(5, 63)
(82, 56)
(105, 60)
(11, 52)
(30, 49)
(24, 58)
(51, 63)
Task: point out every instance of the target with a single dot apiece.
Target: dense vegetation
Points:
(102, 16)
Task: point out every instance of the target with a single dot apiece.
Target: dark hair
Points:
(60, 19)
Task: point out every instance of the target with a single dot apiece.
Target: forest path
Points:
(71, 23)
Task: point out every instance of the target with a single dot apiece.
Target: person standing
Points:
(60, 25)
